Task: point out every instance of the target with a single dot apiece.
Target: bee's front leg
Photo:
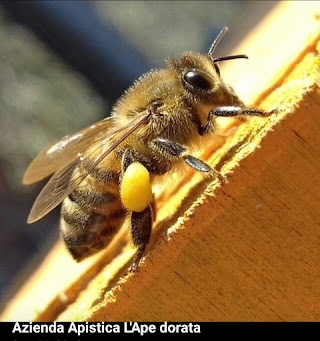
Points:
(232, 111)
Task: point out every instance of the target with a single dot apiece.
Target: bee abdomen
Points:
(82, 244)
(104, 176)
(90, 218)
(90, 199)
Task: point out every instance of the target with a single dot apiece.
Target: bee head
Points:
(200, 74)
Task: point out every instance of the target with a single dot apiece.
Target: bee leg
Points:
(231, 111)
(132, 155)
(174, 150)
(141, 224)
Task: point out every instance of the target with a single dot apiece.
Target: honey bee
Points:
(105, 172)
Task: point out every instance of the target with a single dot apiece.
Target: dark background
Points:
(62, 65)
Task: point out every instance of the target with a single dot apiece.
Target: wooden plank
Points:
(247, 251)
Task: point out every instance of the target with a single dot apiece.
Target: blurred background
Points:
(62, 66)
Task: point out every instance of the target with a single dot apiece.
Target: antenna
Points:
(215, 44)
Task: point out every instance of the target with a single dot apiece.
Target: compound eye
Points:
(198, 80)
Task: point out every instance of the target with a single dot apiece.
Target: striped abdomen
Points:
(92, 213)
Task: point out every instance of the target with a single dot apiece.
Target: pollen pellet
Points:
(136, 188)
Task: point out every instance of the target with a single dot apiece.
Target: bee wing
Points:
(62, 183)
(63, 152)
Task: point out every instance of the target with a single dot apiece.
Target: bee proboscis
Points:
(153, 127)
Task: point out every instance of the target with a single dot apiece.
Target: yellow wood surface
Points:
(247, 251)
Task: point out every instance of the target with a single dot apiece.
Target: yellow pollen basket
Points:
(135, 188)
